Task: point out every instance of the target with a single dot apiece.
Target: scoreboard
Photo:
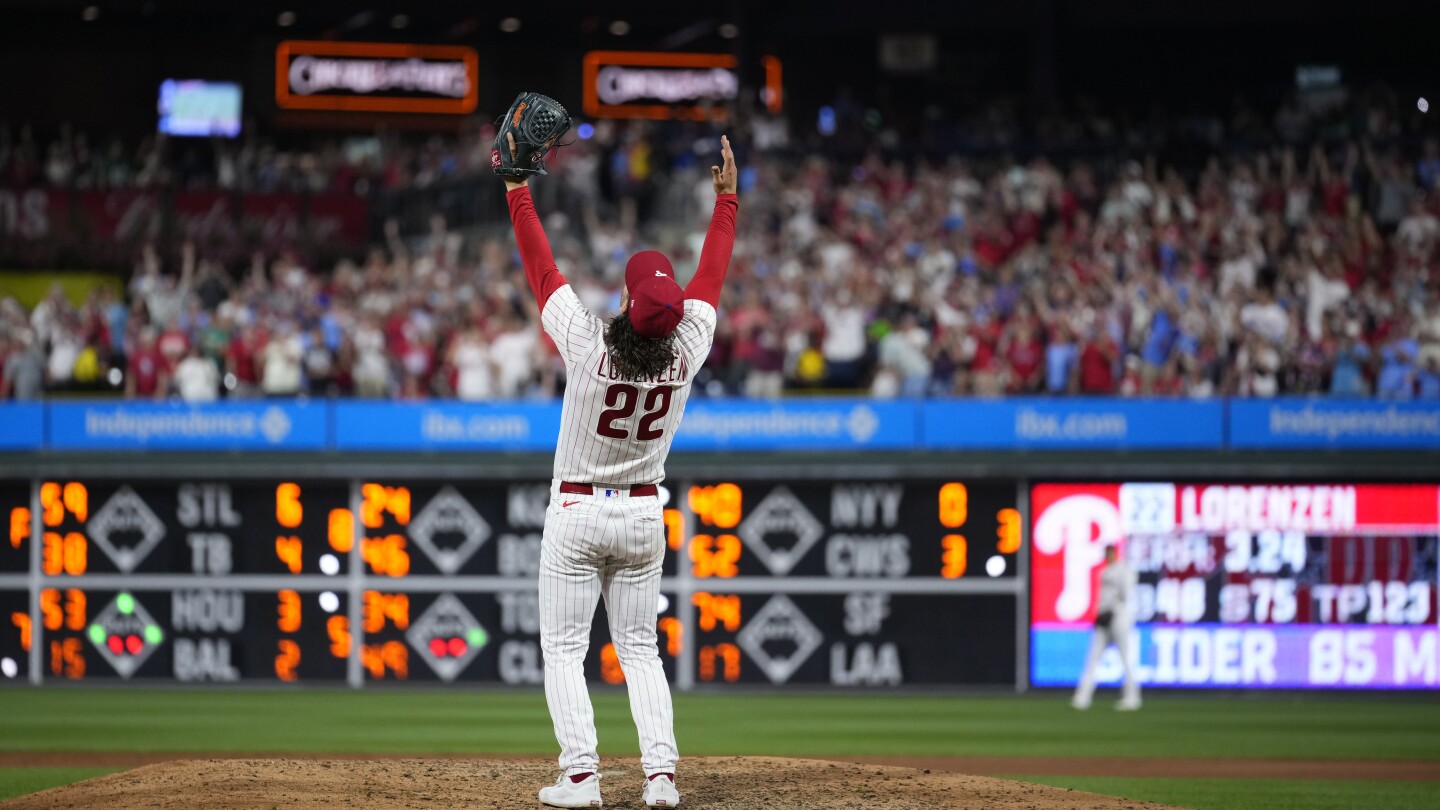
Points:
(873, 583)
(1260, 585)
(851, 583)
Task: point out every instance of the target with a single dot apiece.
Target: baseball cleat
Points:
(564, 793)
(1128, 705)
(661, 792)
(1080, 704)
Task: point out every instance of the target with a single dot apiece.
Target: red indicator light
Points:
(116, 644)
(437, 647)
(457, 647)
(133, 644)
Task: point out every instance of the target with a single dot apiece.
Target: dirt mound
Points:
(718, 783)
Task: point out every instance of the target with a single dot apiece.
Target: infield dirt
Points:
(717, 783)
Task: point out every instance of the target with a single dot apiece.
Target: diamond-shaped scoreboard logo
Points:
(125, 634)
(126, 529)
(779, 638)
(447, 636)
(779, 516)
(449, 530)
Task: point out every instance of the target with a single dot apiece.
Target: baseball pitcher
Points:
(626, 387)
(1114, 619)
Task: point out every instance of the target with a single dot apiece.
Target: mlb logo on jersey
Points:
(610, 493)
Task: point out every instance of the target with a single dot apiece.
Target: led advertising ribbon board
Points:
(640, 84)
(376, 77)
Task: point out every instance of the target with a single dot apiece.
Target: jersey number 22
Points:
(620, 402)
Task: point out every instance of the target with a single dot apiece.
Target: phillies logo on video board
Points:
(1073, 524)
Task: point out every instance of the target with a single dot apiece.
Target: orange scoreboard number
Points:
(19, 525)
(385, 554)
(953, 509)
(62, 552)
(724, 655)
(715, 555)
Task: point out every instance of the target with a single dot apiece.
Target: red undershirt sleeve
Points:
(540, 270)
(715, 255)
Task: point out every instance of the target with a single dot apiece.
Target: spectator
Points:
(844, 345)
(469, 355)
(766, 379)
(1427, 384)
(196, 379)
(1347, 375)
(319, 363)
(242, 359)
(1098, 361)
(280, 362)
(1266, 318)
(147, 376)
(904, 368)
(24, 369)
(1397, 371)
(1025, 358)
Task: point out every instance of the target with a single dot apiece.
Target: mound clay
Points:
(717, 783)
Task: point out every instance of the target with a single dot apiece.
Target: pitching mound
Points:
(718, 783)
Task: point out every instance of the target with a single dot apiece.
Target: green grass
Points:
(1257, 794)
(496, 721)
(398, 722)
(19, 781)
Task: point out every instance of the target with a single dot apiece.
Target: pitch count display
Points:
(1305, 585)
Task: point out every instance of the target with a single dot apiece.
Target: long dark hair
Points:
(634, 356)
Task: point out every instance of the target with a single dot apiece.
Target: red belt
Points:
(637, 491)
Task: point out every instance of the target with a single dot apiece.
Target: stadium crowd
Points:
(1273, 269)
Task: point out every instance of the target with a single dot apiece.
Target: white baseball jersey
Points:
(613, 430)
(1117, 590)
(602, 541)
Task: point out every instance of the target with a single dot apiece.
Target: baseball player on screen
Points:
(626, 386)
(1114, 619)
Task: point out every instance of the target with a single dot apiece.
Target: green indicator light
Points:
(153, 634)
(125, 603)
(477, 637)
(97, 634)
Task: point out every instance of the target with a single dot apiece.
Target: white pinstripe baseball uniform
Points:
(604, 532)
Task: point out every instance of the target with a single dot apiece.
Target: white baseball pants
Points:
(609, 545)
(1119, 635)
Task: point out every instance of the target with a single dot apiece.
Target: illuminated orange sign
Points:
(643, 84)
(376, 77)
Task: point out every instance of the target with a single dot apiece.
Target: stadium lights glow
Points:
(619, 28)
(510, 25)
(90, 14)
(729, 30)
(285, 19)
(400, 21)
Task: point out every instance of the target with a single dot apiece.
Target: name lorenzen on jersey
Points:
(678, 372)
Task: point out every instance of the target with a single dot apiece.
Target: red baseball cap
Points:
(656, 302)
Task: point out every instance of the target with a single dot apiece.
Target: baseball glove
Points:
(527, 133)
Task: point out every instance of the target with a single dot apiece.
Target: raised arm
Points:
(540, 270)
(720, 237)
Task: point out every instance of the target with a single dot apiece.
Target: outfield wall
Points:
(172, 554)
